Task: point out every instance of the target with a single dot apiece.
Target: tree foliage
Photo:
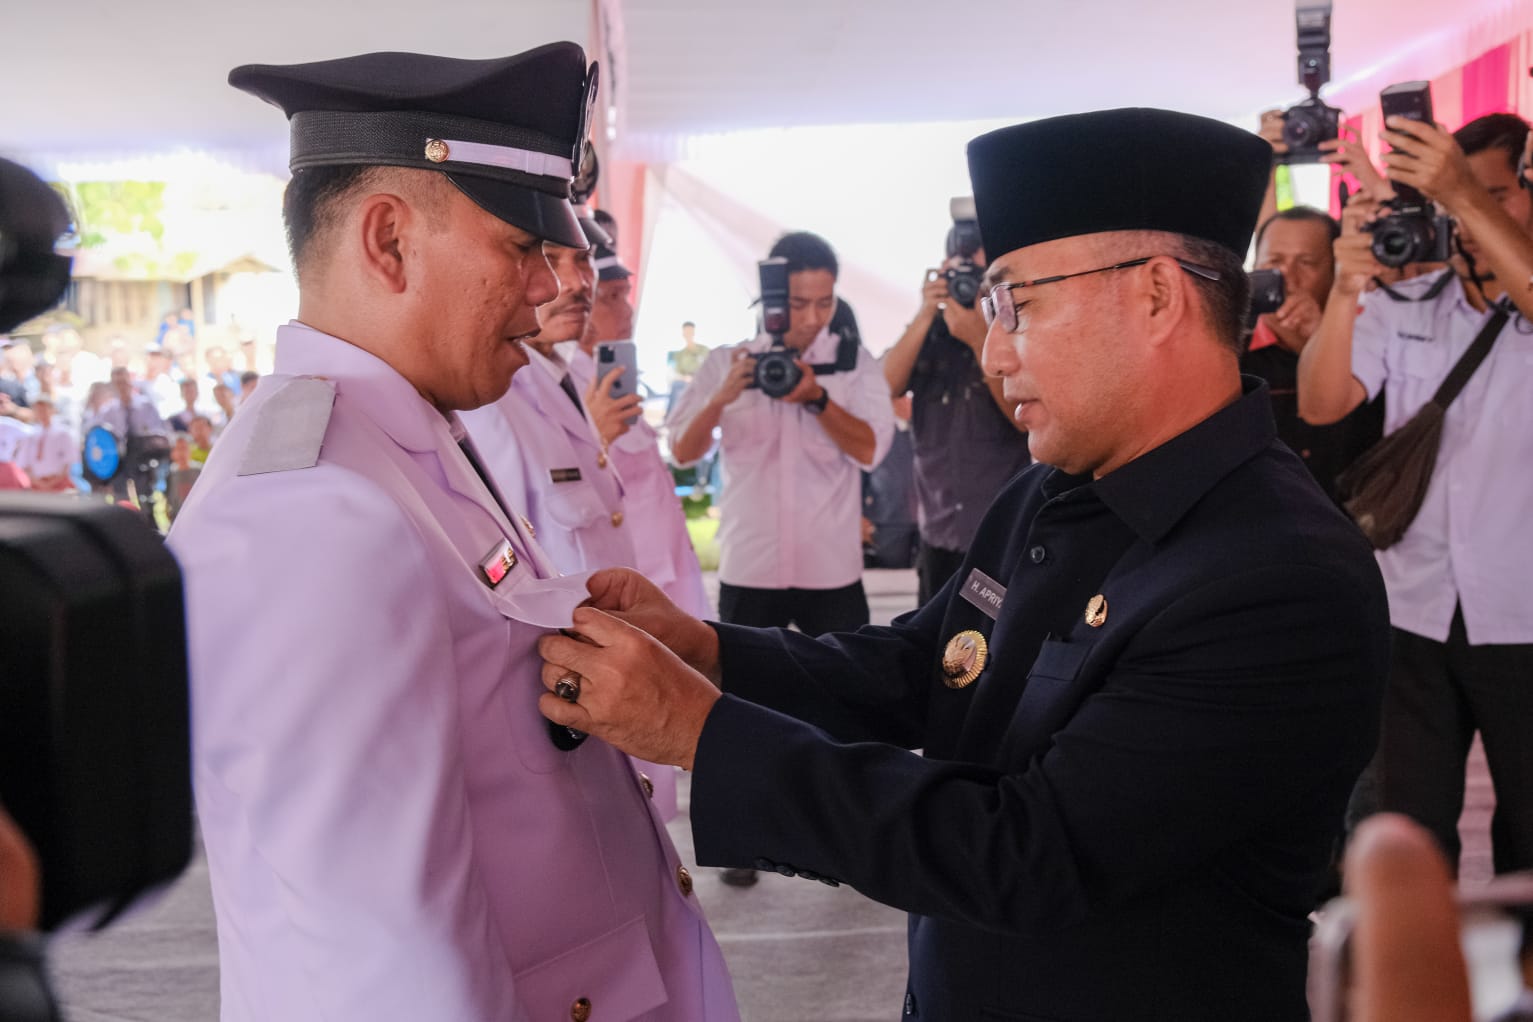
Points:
(107, 208)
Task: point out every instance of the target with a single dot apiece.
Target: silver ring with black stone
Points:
(568, 687)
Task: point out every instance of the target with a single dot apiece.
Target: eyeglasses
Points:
(999, 308)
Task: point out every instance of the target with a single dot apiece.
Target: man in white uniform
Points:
(546, 445)
(393, 831)
(663, 546)
(540, 443)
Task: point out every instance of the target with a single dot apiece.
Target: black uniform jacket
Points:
(1126, 820)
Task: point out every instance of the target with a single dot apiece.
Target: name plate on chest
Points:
(564, 475)
(984, 592)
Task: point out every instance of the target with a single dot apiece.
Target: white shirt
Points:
(48, 452)
(1471, 543)
(791, 509)
(13, 434)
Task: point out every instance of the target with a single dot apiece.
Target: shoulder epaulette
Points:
(290, 427)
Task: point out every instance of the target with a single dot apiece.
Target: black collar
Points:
(1156, 490)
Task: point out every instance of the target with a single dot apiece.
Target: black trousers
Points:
(934, 566)
(1439, 694)
(814, 611)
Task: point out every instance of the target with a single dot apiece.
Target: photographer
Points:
(967, 442)
(790, 544)
(1297, 243)
(1457, 576)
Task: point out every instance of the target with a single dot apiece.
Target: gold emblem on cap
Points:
(436, 150)
(1096, 611)
(964, 659)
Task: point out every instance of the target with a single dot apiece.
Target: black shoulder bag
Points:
(1383, 489)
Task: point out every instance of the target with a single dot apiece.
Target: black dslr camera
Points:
(1411, 231)
(1308, 123)
(95, 733)
(963, 241)
(776, 372)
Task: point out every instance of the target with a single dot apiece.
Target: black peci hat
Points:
(507, 132)
(1118, 170)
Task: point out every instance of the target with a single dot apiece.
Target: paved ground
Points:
(798, 950)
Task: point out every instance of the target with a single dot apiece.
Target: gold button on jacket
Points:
(580, 1011)
(684, 880)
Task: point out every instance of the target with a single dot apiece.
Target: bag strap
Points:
(1470, 360)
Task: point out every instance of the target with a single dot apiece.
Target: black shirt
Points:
(1326, 450)
(965, 450)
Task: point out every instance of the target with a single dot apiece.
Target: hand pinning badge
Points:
(964, 659)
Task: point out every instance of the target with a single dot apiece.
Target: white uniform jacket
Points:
(391, 833)
(662, 546)
(543, 454)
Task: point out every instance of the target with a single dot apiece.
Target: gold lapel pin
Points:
(964, 659)
(1096, 611)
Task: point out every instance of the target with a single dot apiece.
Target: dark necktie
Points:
(564, 738)
(568, 386)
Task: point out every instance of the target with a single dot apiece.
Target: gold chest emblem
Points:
(1096, 611)
(964, 659)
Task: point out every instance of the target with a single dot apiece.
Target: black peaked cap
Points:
(1134, 169)
(506, 131)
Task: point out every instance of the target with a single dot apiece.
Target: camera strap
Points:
(1428, 295)
(1470, 360)
(846, 357)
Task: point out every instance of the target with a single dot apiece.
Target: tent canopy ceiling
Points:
(100, 76)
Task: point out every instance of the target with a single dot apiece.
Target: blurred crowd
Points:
(135, 425)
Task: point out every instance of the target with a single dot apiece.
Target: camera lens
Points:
(1299, 130)
(776, 374)
(1398, 240)
(964, 290)
(963, 284)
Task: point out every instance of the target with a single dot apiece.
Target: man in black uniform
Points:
(1146, 694)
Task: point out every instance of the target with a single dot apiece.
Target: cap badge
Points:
(1096, 611)
(964, 659)
(436, 150)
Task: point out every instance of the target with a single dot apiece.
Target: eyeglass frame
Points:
(990, 308)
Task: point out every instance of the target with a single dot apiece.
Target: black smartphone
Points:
(1268, 292)
(1413, 101)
